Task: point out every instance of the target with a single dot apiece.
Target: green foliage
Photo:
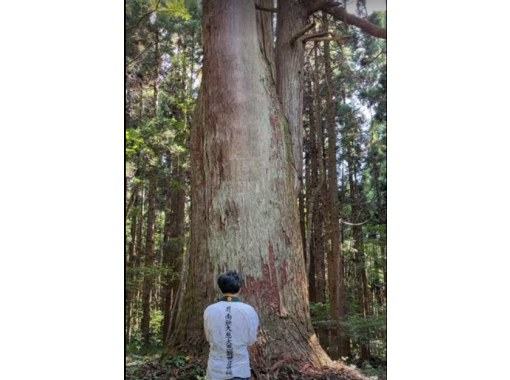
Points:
(133, 142)
(135, 275)
(136, 348)
(364, 329)
(176, 361)
(176, 8)
(155, 324)
(378, 372)
(320, 311)
(368, 330)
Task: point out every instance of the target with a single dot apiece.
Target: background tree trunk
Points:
(148, 280)
(319, 216)
(173, 246)
(357, 233)
(131, 264)
(335, 263)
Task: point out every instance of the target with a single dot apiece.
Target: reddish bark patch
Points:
(221, 164)
(273, 299)
(266, 289)
(275, 135)
(273, 119)
(283, 273)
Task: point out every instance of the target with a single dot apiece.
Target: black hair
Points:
(230, 282)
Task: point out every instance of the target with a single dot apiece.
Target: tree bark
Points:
(292, 17)
(266, 35)
(244, 212)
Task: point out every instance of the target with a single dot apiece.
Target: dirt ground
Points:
(194, 369)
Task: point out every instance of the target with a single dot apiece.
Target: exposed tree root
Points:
(289, 370)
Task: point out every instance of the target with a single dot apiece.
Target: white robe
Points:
(230, 327)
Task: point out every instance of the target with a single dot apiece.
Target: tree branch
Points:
(383, 51)
(144, 16)
(261, 8)
(366, 26)
(323, 36)
(317, 6)
(338, 38)
(319, 39)
(301, 32)
(341, 14)
(354, 224)
(315, 35)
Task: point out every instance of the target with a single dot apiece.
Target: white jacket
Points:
(230, 327)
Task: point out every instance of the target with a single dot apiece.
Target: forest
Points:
(255, 140)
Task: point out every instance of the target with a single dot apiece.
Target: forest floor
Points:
(187, 368)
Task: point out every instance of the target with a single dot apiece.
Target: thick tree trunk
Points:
(244, 211)
(292, 17)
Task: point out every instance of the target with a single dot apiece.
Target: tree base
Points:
(190, 368)
(294, 371)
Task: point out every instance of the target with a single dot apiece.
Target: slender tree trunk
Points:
(137, 258)
(173, 246)
(131, 263)
(157, 59)
(381, 214)
(353, 160)
(335, 264)
(320, 213)
(244, 214)
(364, 291)
(385, 271)
(128, 111)
(311, 184)
(142, 104)
(149, 257)
(316, 189)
